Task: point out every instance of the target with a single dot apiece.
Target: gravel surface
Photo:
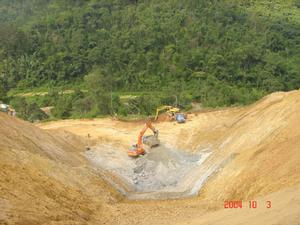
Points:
(160, 168)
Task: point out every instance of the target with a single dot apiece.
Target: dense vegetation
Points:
(215, 52)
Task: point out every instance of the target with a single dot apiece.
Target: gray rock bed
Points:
(159, 170)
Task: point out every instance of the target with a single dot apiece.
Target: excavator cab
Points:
(134, 151)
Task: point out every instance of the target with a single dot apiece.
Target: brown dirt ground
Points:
(45, 180)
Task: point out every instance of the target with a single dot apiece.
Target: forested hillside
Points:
(217, 52)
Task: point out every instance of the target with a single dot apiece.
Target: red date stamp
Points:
(253, 204)
(233, 204)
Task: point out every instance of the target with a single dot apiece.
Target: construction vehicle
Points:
(173, 112)
(151, 140)
(7, 109)
(3, 107)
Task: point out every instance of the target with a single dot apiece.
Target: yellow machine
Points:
(173, 112)
(169, 109)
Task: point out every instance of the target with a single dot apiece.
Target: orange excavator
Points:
(151, 140)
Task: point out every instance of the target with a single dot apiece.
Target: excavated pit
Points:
(161, 173)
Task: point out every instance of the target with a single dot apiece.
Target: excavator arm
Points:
(142, 132)
(168, 108)
(137, 149)
(165, 107)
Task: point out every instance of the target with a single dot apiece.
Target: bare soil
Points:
(47, 177)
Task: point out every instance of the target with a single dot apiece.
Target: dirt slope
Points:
(263, 138)
(266, 138)
(44, 178)
(284, 210)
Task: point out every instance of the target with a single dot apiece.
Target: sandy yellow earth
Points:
(44, 178)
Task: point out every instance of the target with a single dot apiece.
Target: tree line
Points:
(214, 52)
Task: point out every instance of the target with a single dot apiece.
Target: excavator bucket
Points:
(151, 140)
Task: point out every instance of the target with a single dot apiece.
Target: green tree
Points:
(3, 95)
(99, 87)
(209, 51)
(63, 107)
(28, 111)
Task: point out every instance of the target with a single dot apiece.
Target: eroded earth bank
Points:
(246, 153)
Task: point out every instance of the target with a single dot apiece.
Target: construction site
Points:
(108, 171)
